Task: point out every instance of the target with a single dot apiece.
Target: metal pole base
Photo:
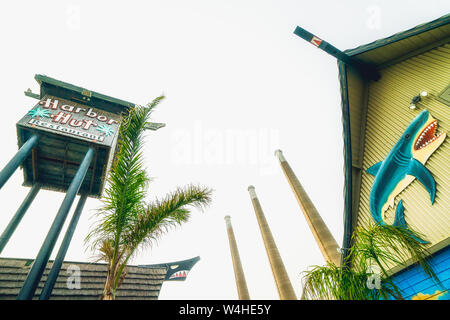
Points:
(34, 276)
(6, 235)
(14, 163)
(56, 267)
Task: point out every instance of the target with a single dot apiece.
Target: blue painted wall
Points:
(416, 285)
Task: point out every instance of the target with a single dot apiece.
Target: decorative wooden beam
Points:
(30, 94)
(34, 159)
(367, 70)
(93, 169)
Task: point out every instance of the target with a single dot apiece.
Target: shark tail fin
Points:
(399, 221)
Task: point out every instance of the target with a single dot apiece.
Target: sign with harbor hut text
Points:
(68, 118)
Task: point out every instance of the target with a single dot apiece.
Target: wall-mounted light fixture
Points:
(417, 99)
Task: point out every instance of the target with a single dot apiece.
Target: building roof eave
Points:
(116, 105)
(347, 161)
(424, 27)
(361, 51)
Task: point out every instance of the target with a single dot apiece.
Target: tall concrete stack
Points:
(284, 286)
(241, 284)
(325, 240)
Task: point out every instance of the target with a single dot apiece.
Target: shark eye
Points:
(407, 136)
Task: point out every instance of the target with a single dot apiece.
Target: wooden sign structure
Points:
(67, 142)
(69, 120)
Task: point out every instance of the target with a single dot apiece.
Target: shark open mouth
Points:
(179, 274)
(427, 136)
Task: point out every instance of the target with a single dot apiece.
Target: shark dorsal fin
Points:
(373, 170)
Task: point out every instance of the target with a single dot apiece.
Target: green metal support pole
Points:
(54, 272)
(8, 232)
(15, 162)
(34, 276)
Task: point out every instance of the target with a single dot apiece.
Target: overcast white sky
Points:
(239, 84)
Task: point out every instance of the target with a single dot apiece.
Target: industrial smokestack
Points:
(241, 284)
(327, 244)
(284, 286)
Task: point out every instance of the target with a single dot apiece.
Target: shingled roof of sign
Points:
(140, 283)
(69, 91)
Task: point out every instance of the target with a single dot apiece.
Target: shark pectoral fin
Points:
(373, 170)
(418, 170)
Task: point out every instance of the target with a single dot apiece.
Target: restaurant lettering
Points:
(53, 105)
(65, 117)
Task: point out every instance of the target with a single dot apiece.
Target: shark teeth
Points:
(179, 274)
(427, 136)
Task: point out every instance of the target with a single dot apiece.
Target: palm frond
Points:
(382, 246)
(389, 245)
(160, 216)
(125, 222)
(331, 282)
(127, 181)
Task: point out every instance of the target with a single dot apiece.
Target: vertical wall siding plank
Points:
(388, 115)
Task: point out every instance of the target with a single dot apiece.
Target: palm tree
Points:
(379, 246)
(126, 223)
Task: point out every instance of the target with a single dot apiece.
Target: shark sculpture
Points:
(404, 163)
(176, 271)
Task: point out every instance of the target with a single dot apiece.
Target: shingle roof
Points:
(69, 91)
(140, 283)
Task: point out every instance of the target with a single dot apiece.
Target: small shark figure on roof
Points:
(404, 163)
(176, 271)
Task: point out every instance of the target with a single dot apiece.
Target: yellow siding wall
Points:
(356, 99)
(388, 115)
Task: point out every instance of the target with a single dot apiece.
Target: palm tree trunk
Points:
(108, 291)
